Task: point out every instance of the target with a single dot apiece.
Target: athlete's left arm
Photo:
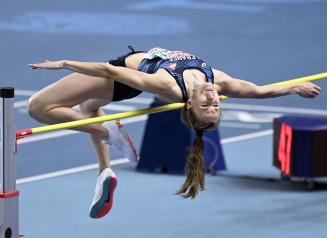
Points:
(237, 88)
(152, 83)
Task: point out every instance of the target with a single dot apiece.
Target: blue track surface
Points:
(256, 40)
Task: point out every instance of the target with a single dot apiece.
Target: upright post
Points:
(8, 193)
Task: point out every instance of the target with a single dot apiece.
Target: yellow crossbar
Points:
(93, 120)
(122, 115)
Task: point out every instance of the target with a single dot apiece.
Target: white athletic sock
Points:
(111, 172)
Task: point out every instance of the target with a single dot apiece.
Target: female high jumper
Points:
(173, 76)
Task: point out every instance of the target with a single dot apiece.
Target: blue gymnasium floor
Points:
(256, 40)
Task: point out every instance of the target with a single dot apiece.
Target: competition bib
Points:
(169, 55)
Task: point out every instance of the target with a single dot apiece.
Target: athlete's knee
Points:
(36, 108)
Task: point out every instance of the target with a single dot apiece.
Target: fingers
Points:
(316, 87)
(39, 65)
(309, 93)
(310, 90)
(32, 66)
(47, 64)
(315, 90)
(314, 93)
(35, 66)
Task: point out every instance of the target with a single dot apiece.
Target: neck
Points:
(192, 78)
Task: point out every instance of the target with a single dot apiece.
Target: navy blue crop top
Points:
(174, 62)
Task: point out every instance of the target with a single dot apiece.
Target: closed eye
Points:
(207, 106)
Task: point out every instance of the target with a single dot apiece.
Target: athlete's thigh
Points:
(75, 89)
(133, 61)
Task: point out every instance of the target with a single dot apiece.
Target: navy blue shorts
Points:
(123, 91)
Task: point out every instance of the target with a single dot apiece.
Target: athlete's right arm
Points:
(237, 88)
(143, 81)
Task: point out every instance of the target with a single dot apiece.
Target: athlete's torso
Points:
(175, 63)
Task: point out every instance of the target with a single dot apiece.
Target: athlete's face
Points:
(205, 103)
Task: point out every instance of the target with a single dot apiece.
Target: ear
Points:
(188, 104)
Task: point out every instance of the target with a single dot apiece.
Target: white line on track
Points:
(119, 107)
(68, 171)
(22, 103)
(240, 125)
(20, 92)
(140, 100)
(246, 136)
(125, 160)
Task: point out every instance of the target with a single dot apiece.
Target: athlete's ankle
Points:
(103, 167)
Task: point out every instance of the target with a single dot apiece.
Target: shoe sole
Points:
(128, 139)
(104, 205)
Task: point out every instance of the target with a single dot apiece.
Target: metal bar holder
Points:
(8, 194)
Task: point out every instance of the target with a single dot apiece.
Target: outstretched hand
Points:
(308, 90)
(47, 64)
